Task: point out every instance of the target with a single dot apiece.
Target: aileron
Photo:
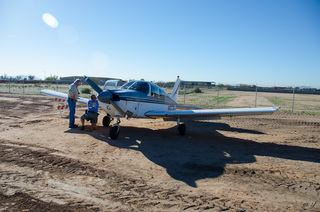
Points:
(211, 112)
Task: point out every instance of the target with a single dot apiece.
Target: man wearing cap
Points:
(72, 100)
(92, 113)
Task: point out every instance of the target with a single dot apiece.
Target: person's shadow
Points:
(202, 152)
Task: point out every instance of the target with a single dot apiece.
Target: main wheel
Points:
(114, 132)
(106, 121)
(182, 129)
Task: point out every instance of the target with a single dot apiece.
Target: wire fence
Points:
(218, 97)
(34, 88)
(207, 97)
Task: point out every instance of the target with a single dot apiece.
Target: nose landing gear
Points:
(115, 129)
(107, 120)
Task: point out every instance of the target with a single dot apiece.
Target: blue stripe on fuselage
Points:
(138, 96)
(145, 100)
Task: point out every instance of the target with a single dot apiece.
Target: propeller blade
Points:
(103, 96)
(93, 85)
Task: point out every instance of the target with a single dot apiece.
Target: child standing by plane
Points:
(92, 113)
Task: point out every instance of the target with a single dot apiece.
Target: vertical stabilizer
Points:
(175, 91)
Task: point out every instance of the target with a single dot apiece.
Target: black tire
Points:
(106, 121)
(182, 129)
(114, 132)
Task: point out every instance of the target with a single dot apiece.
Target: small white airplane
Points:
(142, 99)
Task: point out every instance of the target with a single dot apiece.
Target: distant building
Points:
(280, 88)
(198, 83)
(306, 88)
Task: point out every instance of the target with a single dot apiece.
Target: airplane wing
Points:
(209, 113)
(62, 95)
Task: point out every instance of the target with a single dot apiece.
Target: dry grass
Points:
(209, 98)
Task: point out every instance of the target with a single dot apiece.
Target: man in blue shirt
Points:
(92, 113)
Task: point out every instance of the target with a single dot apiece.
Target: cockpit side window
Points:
(140, 86)
(154, 91)
(161, 93)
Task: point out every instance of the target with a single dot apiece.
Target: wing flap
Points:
(210, 113)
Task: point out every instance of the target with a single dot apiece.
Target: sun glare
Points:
(50, 20)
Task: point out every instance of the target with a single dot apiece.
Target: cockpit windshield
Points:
(127, 85)
(149, 89)
(140, 86)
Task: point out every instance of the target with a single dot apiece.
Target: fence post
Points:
(9, 85)
(218, 96)
(184, 94)
(255, 102)
(23, 87)
(292, 99)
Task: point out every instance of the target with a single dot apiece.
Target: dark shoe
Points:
(74, 126)
(82, 127)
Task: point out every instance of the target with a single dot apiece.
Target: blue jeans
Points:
(72, 111)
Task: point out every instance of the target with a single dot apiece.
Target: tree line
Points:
(27, 78)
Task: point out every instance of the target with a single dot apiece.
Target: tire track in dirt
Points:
(34, 176)
(42, 174)
(51, 178)
(24, 202)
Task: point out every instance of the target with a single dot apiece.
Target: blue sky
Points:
(274, 42)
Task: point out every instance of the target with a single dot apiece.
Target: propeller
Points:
(103, 96)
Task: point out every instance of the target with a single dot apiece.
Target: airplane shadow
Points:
(202, 152)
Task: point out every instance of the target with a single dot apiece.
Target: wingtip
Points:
(276, 108)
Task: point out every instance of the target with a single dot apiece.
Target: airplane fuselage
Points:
(136, 103)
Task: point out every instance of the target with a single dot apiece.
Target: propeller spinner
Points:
(103, 96)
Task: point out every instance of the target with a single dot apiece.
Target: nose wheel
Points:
(107, 120)
(115, 129)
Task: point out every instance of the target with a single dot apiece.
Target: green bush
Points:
(197, 90)
(86, 90)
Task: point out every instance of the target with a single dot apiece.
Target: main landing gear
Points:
(115, 129)
(181, 127)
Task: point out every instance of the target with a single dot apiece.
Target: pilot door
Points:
(132, 108)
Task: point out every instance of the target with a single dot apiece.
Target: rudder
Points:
(175, 90)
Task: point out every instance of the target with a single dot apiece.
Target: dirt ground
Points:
(256, 163)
